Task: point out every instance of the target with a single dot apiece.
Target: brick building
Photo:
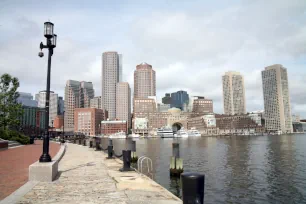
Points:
(58, 122)
(110, 127)
(88, 120)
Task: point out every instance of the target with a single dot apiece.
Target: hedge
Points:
(14, 136)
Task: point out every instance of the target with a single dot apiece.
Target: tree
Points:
(10, 110)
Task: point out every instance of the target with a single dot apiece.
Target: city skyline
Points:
(224, 44)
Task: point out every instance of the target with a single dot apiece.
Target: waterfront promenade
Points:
(85, 176)
(15, 162)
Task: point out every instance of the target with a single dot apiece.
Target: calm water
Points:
(257, 169)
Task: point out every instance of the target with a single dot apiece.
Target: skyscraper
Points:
(123, 102)
(233, 93)
(276, 99)
(72, 101)
(86, 93)
(53, 105)
(61, 106)
(95, 102)
(144, 81)
(110, 77)
(26, 99)
(178, 99)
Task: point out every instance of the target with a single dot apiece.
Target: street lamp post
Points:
(51, 44)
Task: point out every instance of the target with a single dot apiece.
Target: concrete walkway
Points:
(87, 177)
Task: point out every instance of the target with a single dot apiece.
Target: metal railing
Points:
(149, 164)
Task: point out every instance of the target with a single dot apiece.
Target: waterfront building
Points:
(123, 103)
(144, 81)
(109, 127)
(71, 102)
(96, 102)
(88, 121)
(33, 120)
(86, 93)
(110, 77)
(144, 105)
(26, 99)
(166, 99)
(179, 99)
(276, 99)
(233, 93)
(53, 104)
(61, 106)
(163, 107)
(296, 118)
(202, 105)
(58, 122)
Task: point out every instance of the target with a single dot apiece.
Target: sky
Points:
(190, 44)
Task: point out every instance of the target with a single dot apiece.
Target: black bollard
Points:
(193, 187)
(90, 144)
(80, 141)
(126, 161)
(98, 148)
(84, 142)
(110, 149)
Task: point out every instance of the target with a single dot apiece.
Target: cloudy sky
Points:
(190, 44)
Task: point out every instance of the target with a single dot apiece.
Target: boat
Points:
(133, 135)
(165, 132)
(181, 133)
(194, 133)
(118, 135)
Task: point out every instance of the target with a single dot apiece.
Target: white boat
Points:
(133, 135)
(118, 135)
(181, 133)
(165, 132)
(194, 133)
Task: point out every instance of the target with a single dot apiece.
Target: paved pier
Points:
(87, 177)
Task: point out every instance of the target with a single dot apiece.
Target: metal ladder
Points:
(140, 165)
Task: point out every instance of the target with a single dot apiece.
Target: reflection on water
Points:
(257, 169)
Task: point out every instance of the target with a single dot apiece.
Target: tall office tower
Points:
(166, 99)
(123, 102)
(86, 93)
(178, 99)
(72, 101)
(144, 81)
(26, 99)
(95, 102)
(110, 78)
(120, 68)
(53, 104)
(233, 93)
(61, 106)
(276, 99)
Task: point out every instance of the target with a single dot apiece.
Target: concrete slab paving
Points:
(86, 176)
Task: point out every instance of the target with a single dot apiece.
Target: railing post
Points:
(193, 188)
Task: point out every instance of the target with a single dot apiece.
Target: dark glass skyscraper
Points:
(178, 99)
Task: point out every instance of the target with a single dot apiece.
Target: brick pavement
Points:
(14, 165)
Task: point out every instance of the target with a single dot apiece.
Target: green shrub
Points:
(3, 134)
(14, 136)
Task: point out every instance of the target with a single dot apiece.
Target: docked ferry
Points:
(165, 132)
(194, 133)
(118, 135)
(181, 133)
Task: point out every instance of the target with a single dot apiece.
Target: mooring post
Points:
(193, 187)
(98, 148)
(176, 163)
(126, 161)
(84, 142)
(110, 149)
(90, 143)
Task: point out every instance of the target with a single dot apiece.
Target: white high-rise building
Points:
(53, 104)
(110, 77)
(233, 93)
(123, 102)
(276, 99)
(72, 101)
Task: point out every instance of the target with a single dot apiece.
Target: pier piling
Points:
(131, 145)
(176, 163)
(193, 188)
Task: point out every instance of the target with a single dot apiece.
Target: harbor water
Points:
(238, 169)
